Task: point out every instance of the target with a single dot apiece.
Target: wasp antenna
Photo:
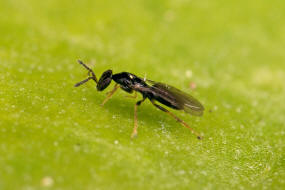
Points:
(89, 71)
(81, 63)
(82, 82)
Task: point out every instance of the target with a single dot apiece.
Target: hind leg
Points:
(177, 119)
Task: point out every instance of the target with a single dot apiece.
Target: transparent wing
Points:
(176, 98)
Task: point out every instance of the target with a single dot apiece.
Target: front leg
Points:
(110, 94)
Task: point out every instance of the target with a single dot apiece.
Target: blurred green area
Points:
(55, 136)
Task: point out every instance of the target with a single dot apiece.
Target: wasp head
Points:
(104, 80)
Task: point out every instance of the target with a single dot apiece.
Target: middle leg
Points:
(135, 130)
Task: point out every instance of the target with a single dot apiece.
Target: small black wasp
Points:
(154, 91)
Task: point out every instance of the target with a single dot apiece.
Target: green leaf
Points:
(229, 55)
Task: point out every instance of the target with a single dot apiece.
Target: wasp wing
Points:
(176, 98)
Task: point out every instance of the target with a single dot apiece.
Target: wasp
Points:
(151, 90)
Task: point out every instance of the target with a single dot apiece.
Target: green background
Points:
(55, 136)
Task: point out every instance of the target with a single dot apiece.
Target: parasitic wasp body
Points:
(154, 91)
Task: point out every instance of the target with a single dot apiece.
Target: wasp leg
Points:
(177, 119)
(135, 130)
(110, 94)
(134, 96)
